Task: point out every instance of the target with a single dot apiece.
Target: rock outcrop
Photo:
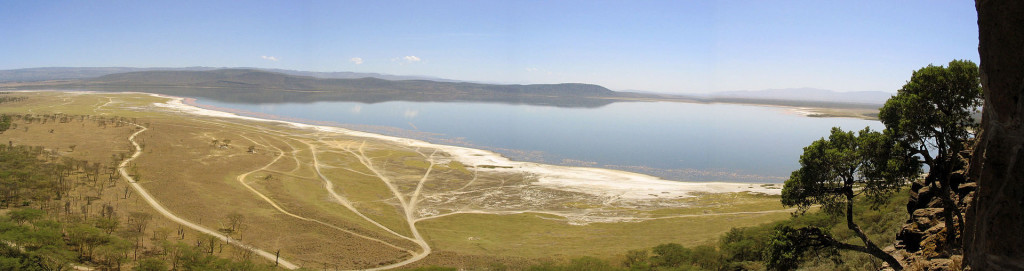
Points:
(994, 232)
(991, 188)
(922, 244)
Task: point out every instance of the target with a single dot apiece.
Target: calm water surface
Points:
(677, 141)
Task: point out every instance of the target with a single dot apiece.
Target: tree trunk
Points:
(871, 248)
(938, 179)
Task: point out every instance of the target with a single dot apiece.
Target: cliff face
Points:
(922, 242)
(991, 188)
(994, 232)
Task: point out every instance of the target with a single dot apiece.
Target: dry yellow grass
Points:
(384, 195)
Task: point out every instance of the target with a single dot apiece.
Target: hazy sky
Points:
(664, 46)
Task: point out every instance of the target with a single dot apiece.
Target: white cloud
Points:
(531, 69)
(357, 60)
(411, 59)
(271, 58)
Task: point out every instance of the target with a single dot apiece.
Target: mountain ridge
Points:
(254, 85)
(260, 86)
(808, 94)
(74, 73)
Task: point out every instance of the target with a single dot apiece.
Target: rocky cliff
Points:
(922, 243)
(991, 188)
(994, 232)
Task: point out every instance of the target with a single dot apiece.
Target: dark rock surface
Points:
(994, 232)
(921, 243)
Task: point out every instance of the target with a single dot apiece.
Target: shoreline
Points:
(616, 184)
(521, 155)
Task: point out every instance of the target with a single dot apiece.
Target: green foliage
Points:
(932, 117)
(830, 170)
(38, 246)
(782, 251)
(932, 113)
(151, 264)
(42, 246)
(31, 240)
(23, 215)
(707, 257)
(5, 123)
(787, 246)
(744, 244)
(6, 99)
(832, 173)
(637, 259)
(26, 175)
(589, 264)
(670, 255)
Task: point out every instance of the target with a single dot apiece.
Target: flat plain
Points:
(326, 196)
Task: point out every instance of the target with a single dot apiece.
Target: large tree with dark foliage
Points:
(932, 117)
(833, 173)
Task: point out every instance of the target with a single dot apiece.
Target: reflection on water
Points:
(676, 141)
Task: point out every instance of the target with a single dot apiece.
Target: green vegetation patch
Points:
(541, 235)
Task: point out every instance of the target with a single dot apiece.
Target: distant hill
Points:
(807, 95)
(356, 75)
(257, 86)
(250, 85)
(73, 73)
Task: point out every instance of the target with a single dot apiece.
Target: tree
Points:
(151, 264)
(670, 255)
(108, 225)
(235, 221)
(743, 244)
(832, 173)
(87, 238)
(931, 117)
(23, 215)
(115, 253)
(787, 246)
(637, 259)
(137, 223)
(5, 123)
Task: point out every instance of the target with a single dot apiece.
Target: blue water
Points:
(677, 141)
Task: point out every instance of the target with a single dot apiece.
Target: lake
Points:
(675, 141)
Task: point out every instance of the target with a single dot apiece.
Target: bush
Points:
(670, 255)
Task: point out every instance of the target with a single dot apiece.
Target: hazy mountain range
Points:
(807, 94)
(261, 86)
(277, 85)
(72, 73)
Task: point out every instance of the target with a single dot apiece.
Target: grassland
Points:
(345, 200)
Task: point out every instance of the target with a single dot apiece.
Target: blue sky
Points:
(663, 46)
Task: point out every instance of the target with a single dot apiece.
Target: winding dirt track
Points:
(163, 211)
(241, 180)
(407, 207)
(408, 201)
(419, 240)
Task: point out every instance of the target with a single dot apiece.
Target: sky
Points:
(661, 46)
